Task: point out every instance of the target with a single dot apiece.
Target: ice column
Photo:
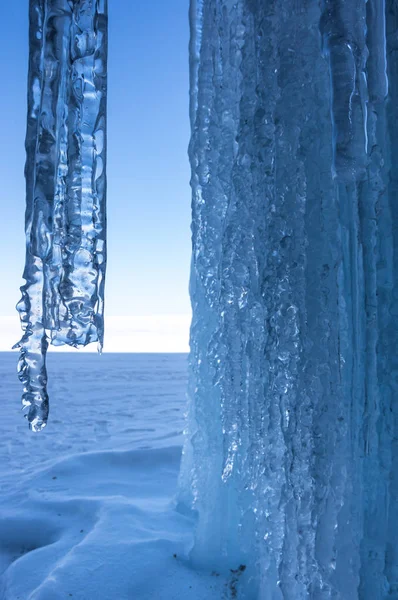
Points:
(63, 297)
(291, 456)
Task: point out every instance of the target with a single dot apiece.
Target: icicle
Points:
(290, 459)
(62, 299)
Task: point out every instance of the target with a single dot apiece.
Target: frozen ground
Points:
(86, 506)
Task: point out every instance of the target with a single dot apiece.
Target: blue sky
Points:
(148, 170)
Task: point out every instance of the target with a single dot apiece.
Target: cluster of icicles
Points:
(63, 297)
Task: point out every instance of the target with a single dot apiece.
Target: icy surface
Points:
(87, 510)
(62, 299)
(291, 454)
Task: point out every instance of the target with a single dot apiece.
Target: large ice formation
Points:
(62, 299)
(291, 457)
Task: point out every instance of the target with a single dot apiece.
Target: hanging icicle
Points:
(63, 297)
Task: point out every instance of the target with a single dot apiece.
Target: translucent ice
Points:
(62, 299)
(291, 457)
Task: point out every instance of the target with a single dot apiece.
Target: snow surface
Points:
(87, 507)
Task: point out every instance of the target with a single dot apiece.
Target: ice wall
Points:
(291, 457)
(63, 297)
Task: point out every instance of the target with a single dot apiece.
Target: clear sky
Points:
(148, 170)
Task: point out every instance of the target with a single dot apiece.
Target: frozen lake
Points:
(87, 506)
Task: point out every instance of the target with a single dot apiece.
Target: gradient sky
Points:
(148, 171)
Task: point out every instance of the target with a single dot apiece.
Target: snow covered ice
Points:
(87, 508)
(62, 299)
(291, 456)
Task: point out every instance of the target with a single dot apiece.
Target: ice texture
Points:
(63, 297)
(291, 455)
